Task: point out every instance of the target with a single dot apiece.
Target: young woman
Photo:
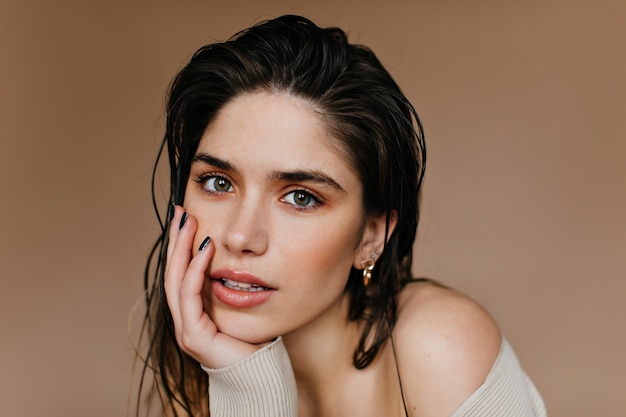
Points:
(283, 279)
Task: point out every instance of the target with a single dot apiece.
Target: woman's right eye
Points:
(216, 184)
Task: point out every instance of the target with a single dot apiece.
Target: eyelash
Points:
(317, 200)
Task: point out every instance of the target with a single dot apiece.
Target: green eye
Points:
(218, 184)
(302, 199)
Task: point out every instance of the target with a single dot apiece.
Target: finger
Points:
(178, 262)
(174, 228)
(196, 323)
(200, 337)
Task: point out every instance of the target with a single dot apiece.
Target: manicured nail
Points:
(172, 211)
(182, 220)
(205, 243)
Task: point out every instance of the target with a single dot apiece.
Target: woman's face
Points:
(284, 211)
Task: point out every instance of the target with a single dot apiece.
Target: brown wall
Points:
(523, 104)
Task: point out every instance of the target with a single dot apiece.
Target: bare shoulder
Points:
(446, 344)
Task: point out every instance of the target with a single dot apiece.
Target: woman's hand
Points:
(196, 333)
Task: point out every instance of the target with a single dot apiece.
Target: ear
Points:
(373, 238)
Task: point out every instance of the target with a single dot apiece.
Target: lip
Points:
(238, 298)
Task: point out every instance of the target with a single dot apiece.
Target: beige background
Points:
(523, 104)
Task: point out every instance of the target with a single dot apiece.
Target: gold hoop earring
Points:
(368, 267)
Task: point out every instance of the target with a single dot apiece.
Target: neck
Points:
(321, 352)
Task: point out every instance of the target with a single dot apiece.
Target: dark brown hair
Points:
(379, 133)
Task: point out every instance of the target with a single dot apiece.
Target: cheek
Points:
(207, 226)
(207, 218)
(326, 252)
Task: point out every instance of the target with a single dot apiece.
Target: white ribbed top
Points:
(263, 385)
(506, 392)
(260, 385)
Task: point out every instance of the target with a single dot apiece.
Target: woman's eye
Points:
(218, 184)
(301, 198)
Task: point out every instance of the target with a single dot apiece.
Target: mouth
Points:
(238, 289)
(243, 286)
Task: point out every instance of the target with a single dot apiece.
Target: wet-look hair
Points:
(378, 133)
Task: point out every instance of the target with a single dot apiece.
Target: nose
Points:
(246, 229)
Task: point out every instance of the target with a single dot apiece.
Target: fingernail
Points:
(205, 243)
(182, 220)
(172, 211)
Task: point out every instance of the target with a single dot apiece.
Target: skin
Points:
(243, 193)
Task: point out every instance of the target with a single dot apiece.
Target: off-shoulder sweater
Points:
(263, 385)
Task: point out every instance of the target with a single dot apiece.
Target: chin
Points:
(249, 330)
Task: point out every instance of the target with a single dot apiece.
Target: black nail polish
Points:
(172, 211)
(182, 220)
(205, 243)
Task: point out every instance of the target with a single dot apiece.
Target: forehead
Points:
(268, 117)
(276, 128)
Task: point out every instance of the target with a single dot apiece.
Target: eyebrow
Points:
(294, 176)
(216, 162)
(309, 176)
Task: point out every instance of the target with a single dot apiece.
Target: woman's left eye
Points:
(301, 199)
